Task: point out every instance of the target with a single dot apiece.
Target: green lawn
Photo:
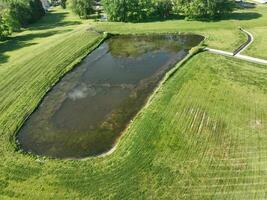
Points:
(203, 135)
(259, 47)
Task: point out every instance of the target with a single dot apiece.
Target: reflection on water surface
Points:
(87, 110)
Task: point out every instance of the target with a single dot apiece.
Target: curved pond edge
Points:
(69, 68)
(106, 35)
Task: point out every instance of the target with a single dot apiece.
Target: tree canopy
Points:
(138, 10)
(18, 13)
(83, 8)
(127, 10)
(203, 9)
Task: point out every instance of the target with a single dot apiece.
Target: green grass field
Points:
(203, 134)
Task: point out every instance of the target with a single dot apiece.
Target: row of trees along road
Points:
(15, 14)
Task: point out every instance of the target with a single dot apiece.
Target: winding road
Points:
(237, 52)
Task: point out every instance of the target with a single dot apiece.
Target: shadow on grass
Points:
(157, 19)
(242, 16)
(245, 5)
(22, 41)
(161, 19)
(53, 20)
(234, 16)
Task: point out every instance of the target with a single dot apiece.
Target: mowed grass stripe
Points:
(160, 158)
(230, 188)
(43, 57)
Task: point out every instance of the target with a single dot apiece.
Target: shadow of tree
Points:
(235, 16)
(245, 5)
(22, 41)
(242, 16)
(53, 20)
(159, 19)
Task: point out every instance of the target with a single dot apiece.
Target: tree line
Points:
(15, 14)
(140, 10)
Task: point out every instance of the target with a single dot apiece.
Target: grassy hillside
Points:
(202, 136)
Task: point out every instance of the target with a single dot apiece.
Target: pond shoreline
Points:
(168, 74)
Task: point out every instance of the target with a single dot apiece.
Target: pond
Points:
(86, 112)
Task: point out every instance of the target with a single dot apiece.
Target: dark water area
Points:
(86, 112)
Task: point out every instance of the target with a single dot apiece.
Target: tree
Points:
(203, 9)
(26, 11)
(127, 10)
(36, 10)
(7, 23)
(83, 8)
(17, 13)
(63, 4)
(5, 28)
(162, 8)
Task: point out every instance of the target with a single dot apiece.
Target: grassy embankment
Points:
(202, 136)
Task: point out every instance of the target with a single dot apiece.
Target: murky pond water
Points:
(88, 109)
